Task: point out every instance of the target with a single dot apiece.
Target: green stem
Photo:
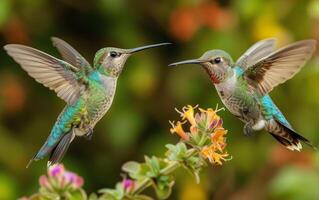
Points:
(172, 166)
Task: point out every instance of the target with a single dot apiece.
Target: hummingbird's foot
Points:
(89, 134)
(248, 130)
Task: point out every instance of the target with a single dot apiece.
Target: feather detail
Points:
(286, 135)
(279, 66)
(53, 73)
(256, 52)
(71, 55)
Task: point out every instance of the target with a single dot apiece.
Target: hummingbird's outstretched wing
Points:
(70, 55)
(279, 66)
(256, 52)
(58, 75)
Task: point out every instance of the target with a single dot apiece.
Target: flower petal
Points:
(56, 171)
(178, 129)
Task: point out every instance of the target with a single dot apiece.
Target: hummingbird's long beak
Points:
(193, 61)
(137, 49)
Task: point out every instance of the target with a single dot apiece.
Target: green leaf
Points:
(45, 196)
(154, 166)
(113, 194)
(38, 197)
(93, 196)
(131, 167)
(76, 195)
(176, 152)
(163, 187)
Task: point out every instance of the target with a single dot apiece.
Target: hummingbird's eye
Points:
(217, 60)
(113, 54)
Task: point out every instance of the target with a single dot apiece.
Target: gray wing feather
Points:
(279, 66)
(256, 52)
(71, 55)
(53, 73)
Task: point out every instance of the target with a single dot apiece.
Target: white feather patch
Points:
(259, 125)
(297, 147)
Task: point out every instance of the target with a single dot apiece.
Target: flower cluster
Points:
(204, 140)
(59, 178)
(205, 132)
(59, 183)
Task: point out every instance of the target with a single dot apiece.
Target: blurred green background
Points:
(148, 91)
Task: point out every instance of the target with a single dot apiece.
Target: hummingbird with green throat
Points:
(244, 85)
(87, 90)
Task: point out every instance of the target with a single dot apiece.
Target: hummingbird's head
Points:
(110, 60)
(217, 64)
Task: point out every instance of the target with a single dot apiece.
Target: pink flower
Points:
(73, 179)
(43, 181)
(61, 177)
(79, 181)
(56, 171)
(128, 184)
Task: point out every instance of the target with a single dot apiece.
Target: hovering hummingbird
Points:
(243, 86)
(87, 90)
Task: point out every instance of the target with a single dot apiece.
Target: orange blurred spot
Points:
(280, 156)
(183, 24)
(214, 17)
(12, 93)
(315, 30)
(15, 31)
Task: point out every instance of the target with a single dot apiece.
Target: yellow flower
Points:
(210, 153)
(213, 132)
(188, 113)
(214, 153)
(178, 129)
(212, 119)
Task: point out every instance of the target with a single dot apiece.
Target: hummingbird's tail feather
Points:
(286, 136)
(60, 149)
(54, 146)
(44, 150)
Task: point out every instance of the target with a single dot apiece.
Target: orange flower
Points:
(210, 153)
(178, 129)
(213, 132)
(212, 119)
(218, 139)
(214, 153)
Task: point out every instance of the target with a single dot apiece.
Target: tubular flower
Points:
(188, 113)
(212, 119)
(178, 129)
(218, 139)
(206, 132)
(214, 157)
(215, 151)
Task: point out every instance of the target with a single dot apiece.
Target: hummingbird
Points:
(243, 86)
(87, 90)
